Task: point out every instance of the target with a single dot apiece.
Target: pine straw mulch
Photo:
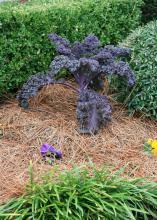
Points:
(51, 119)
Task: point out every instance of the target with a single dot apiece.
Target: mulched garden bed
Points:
(52, 119)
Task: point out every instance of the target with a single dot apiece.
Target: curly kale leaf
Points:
(63, 62)
(33, 85)
(93, 111)
(87, 61)
(119, 68)
(83, 70)
(88, 47)
(62, 45)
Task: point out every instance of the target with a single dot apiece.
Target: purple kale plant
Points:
(88, 62)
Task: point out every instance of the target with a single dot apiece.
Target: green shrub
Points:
(143, 97)
(149, 10)
(78, 195)
(24, 45)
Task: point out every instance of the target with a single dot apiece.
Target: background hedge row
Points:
(24, 46)
(149, 10)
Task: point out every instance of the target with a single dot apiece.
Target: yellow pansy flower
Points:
(154, 144)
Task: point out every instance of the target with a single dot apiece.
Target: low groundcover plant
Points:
(81, 194)
(88, 63)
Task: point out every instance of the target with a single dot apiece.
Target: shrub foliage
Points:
(80, 195)
(25, 49)
(149, 10)
(143, 97)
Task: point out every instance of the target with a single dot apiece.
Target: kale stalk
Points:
(88, 63)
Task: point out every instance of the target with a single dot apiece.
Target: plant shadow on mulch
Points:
(52, 119)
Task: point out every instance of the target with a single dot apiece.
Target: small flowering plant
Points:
(49, 153)
(150, 146)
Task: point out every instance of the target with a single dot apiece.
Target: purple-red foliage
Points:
(88, 63)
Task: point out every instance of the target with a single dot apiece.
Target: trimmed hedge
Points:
(149, 10)
(25, 48)
(143, 97)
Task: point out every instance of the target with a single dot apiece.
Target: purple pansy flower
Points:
(47, 149)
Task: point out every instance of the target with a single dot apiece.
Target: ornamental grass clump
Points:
(82, 195)
(88, 63)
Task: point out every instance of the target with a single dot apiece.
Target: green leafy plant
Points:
(143, 97)
(82, 195)
(25, 49)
